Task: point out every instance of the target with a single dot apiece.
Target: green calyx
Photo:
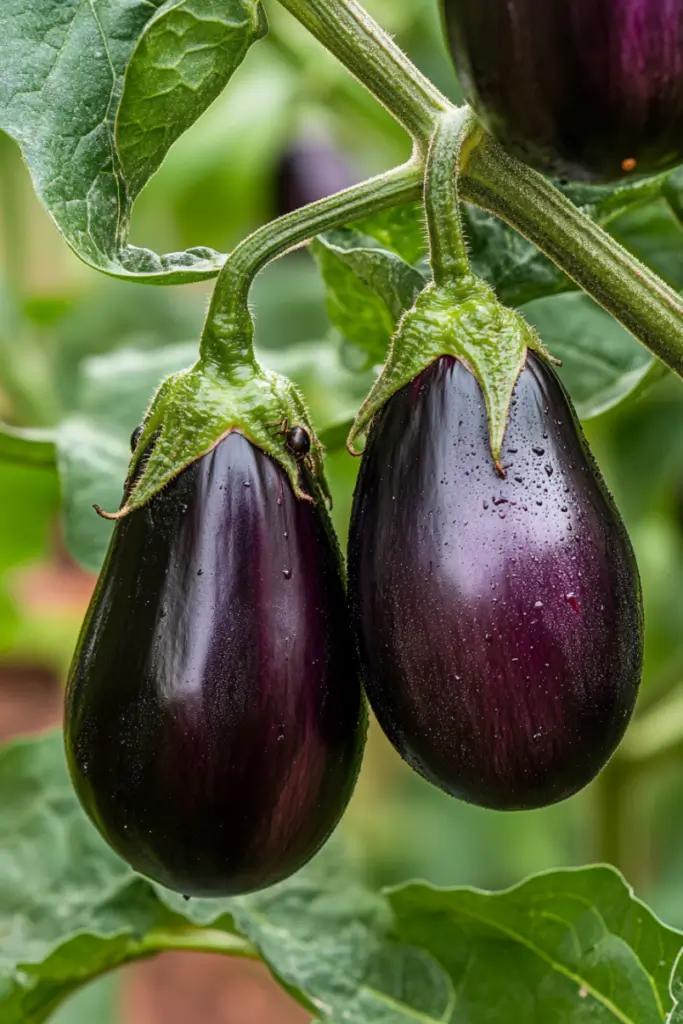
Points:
(195, 409)
(457, 314)
(463, 319)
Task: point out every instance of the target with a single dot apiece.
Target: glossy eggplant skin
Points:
(214, 717)
(499, 620)
(585, 90)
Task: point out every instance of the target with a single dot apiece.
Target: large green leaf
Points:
(368, 288)
(572, 946)
(70, 910)
(95, 93)
(601, 362)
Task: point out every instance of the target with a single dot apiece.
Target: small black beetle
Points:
(298, 441)
(135, 437)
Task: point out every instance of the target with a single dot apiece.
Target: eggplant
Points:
(309, 170)
(499, 620)
(586, 90)
(214, 715)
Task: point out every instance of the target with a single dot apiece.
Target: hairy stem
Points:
(229, 301)
(448, 251)
(621, 284)
(347, 30)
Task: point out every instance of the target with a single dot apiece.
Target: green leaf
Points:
(504, 259)
(333, 438)
(93, 444)
(94, 94)
(653, 234)
(368, 288)
(96, 1002)
(30, 496)
(403, 229)
(602, 364)
(570, 946)
(70, 909)
(677, 992)
(182, 62)
(574, 946)
(28, 447)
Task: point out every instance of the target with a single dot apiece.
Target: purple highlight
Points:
(214, 722)
(586, 89)
(499, 620)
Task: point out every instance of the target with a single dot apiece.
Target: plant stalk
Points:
(448, 250)
(370, 54)
(621, 284)
(229, 300)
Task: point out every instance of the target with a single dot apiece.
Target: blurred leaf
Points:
(402, 229)
(653, 234)
(96, 1002)
(601, 362)
(93, 444)
(571, 946)
(30, 497)
(28, 506)
(71, 909)
(83, 85)
(23, 445)
(334, 437)
(368, 288)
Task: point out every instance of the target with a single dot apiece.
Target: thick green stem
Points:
(227, 334)
(347, 30)
(628, 290)
(448, 251)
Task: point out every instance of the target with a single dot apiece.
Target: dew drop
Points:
(539, 604)
(287, 573)
(548, 469)
(537, 450)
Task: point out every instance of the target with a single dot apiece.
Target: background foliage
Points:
(80, 355)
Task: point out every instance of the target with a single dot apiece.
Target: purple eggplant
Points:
(214, 718)
(582, 89)
(309, 170)
(499, 619)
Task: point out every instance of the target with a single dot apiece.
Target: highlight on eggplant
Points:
(499, 620)
(588, 90)
(214, 717)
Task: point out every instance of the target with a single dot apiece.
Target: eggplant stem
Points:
(448, 249)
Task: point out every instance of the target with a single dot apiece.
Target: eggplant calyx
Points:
(462, 319)
(195, 409)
